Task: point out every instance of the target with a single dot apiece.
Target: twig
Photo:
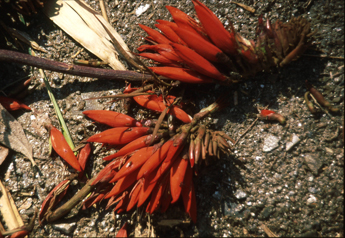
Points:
(246, 131)
(68, 206)
(123, 75)
(248, 128)
(318, 104)
(325, 56)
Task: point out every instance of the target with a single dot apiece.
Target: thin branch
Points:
(26, 59)
(68, 206)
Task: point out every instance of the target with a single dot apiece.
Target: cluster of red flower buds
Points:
(153, 167)
(205, 52)
(156, 162)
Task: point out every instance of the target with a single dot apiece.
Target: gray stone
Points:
(294, 140)
(270, 143)
(239, 194)
(65, 228)
(313, 163)
(312, 199)
(266, 213)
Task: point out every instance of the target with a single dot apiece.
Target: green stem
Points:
(63, 125)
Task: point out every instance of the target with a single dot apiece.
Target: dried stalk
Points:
(68, 206)
(123, 75)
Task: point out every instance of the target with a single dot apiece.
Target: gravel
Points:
(294, 192)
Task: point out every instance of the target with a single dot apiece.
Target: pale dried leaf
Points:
(3, 154)
(12, 135)
(99, 27)
(12, 218)
(85, 30)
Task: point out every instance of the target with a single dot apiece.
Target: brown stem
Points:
(67, 207)
(21, 58)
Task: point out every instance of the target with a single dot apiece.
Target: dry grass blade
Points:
(104, 10)
(12, 218)
(82, 23)
(248, 8)
(268, 231)
(98, 26)
(12, 135)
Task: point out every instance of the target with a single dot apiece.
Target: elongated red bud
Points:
(148, 187)
(201, 46)
(134, 195)
(215, 30)
(172, 154)
(137, 159)
(119, 135)
(106, 174)
(111, 118)
(165, 199)
(123, 231)
(134, 145)
(155, 103)
(155, 160)
(159, 58)
(158, 37)
(170, 34)
(181, 74)
(83, 157)
(318, 96)
(197, 62)
(122, 184)
(184, 21)
(163, 49)
(168, 23)
(185, 193)
(62, 148)
(193, 209)
(177, 173)
(157, 194)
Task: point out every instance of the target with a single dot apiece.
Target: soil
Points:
(295, 192)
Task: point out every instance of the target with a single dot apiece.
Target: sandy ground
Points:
(298, 192)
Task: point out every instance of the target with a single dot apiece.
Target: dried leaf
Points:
(12, 218)
(12, 135)
(3, 154)
(83, 24)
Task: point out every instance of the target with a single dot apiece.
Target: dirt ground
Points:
(295, 192)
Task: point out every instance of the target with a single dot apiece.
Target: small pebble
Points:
(266, 213)
(313, 163)
(66, 228)
(295, 139)
(270, 143)
(240, 194)
(312, 199)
